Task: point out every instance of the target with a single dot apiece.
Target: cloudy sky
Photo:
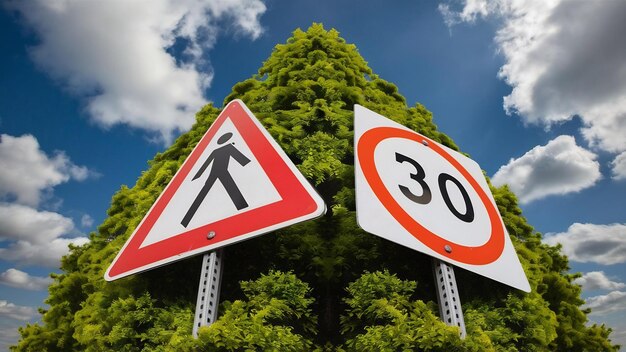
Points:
(534, 91)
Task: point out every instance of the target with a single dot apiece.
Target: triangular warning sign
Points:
(237, 183)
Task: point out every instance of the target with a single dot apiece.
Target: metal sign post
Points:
(448, 295)
(209, 290)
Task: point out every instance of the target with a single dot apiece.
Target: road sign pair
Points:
(238, 183)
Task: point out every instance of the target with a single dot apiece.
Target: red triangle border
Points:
(296, 202)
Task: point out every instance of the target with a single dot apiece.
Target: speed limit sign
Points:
(430, 198)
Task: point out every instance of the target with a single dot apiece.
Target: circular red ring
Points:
(478, 255)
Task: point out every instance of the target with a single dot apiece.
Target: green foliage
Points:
(329, 285)
(381, 316)
(276, 317)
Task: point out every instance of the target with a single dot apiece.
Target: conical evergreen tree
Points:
(324, 284)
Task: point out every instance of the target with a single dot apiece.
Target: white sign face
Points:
(237, 183)
(250, 180)
(430, 198)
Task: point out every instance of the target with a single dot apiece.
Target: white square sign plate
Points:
(423, 195)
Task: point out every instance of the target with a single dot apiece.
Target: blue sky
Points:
(90, 91)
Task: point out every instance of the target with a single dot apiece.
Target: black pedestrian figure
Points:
(219, 171)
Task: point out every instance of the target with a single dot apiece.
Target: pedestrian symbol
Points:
(236, 184)
(219, 160)
(226, 180)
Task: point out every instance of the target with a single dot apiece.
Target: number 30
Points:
(426, 196)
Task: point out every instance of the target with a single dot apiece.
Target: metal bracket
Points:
(208, 291)
(448, 296)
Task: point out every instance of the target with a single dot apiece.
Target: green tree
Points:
(324, 284)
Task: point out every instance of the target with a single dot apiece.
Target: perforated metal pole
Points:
(208, 291)
(448, 296)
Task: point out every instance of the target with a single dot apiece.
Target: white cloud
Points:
(27, 172)
(11, 318)
(619, 167)
(35, 236)
(86, 221)
(48, 255)
(606, 304)
(115, 54)
(17, 278)
(597, 280)
(13, 311)
(602, 244)
(563, 59)
(20, 222)
(560, 167)
(9, 335)
(472, 9)
(618, 335)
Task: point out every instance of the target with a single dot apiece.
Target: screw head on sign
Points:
(447, 248)
(425, 142)
(210, 235)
